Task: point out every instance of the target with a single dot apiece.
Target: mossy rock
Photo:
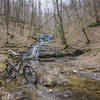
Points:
(97, 71)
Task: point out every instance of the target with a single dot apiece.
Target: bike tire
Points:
(30, 75)
(11, 70)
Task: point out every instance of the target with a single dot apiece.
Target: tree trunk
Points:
(7, 12)
(88, 41)
(62, 33)
(96, 11)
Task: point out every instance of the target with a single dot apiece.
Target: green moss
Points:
(95, 51)
(97, 71)
(95, 24)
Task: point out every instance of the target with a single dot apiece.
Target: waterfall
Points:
(34, 51)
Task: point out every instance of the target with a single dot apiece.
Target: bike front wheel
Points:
(30, 75)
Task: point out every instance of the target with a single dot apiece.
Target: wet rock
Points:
(44, 37)
(46, 51)
(25, 98)
(53, 80)
(64, 94)
(75, 71)
(47, 54)
(50, 90)
(48, 82)
(62, 82)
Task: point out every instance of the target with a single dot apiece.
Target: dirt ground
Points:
(56, 72)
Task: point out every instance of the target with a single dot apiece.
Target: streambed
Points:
(59, 79)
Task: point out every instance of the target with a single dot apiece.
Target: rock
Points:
(64, 94)
(12, 52)
(25, 98)
(75, 71)
(47, 54)
(50, 90)
(50, 54)
(49, 82)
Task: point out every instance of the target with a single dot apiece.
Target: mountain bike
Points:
(18, 64)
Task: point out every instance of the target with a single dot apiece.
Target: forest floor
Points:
(70, 77)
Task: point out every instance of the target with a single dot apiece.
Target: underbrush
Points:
(95, 24)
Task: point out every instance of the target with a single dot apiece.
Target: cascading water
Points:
(34, 52)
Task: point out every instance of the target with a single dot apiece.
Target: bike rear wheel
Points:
(30, 75)
(11, 70)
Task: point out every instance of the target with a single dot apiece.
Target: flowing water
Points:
(78, 88)
(35, 50)
(75, 87)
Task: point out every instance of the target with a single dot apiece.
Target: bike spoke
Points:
(30, 74)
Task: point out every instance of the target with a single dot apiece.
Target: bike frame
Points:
(19, 64)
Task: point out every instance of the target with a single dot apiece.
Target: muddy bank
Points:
(67, 78)
(85, 90)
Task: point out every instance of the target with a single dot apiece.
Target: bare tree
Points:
(59, 13)
(80, 18)
(7, 13)
(95, 3)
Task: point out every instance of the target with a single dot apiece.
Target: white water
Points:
(34, 52)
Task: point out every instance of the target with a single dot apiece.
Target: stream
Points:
(56, 79)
